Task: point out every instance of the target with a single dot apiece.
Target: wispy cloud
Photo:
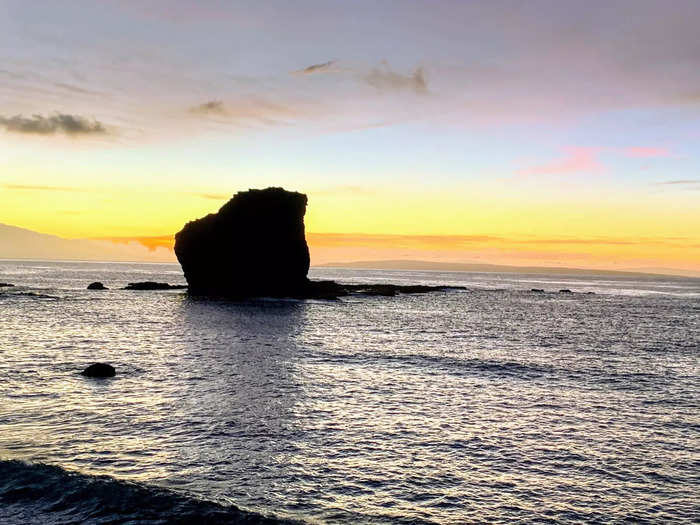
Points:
(576, 160)
(646, 152)
(213, 196)
(212, 107)
(342, 190)
(30, 187)
(75, 89)
(254, 111)
(316, 68)
(384, 78)
(681, 182)
(72, 125)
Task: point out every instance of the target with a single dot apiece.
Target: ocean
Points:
(493, 404)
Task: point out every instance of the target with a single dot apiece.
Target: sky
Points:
(528, 133)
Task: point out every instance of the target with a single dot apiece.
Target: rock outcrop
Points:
(6, 285)
(152, 285)
(254, 246)
(99, 370)
(97, 286)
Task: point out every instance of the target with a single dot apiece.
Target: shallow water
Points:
(494, 404)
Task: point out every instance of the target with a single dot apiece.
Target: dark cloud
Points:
(317, 68)
(213, 107)
(72, 125)
(385, 79)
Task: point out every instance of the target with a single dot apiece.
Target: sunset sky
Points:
(509, 132)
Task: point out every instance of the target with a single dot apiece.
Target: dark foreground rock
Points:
(99, 370)
(152, 285)
(97, 286)
(253, 246)
(537, 290)
(6, 285)
(565, 290)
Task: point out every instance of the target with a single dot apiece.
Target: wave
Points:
(39, 493)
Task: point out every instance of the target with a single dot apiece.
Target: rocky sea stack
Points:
(254, 246)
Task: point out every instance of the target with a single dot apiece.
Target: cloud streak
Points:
(71, 125)
(682, 182)
(385, 79)
(29, 187)
(212, 107)
(577, 160)
(646, 152)
(316, 68)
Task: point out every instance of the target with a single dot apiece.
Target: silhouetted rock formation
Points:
(99, 370)
(565, 290)
(152, 285)
(6, 285)
(253, 246)
(537, 290)
(97, 286)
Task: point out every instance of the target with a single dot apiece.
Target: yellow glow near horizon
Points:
(433, 227)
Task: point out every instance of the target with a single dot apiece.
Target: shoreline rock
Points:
(97, 286)
(6, 285)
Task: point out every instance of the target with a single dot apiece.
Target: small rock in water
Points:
(97, 286)
(565, 290)
(99, 370)
(6, 285)
(538, 290)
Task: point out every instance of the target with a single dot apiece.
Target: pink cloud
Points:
(646, 152)
(576, 160)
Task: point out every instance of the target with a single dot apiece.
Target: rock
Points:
(97, 286)
(537, 290)
(565, 290)
(253, 246)
(99, 370)
(152, 285)
(6, 285)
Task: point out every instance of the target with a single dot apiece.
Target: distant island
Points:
(417, 265)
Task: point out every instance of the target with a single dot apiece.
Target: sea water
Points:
(490, 404)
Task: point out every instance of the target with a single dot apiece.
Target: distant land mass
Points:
(20, 243)
(401, 264)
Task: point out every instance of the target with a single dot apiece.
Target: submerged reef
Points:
(255, 246)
